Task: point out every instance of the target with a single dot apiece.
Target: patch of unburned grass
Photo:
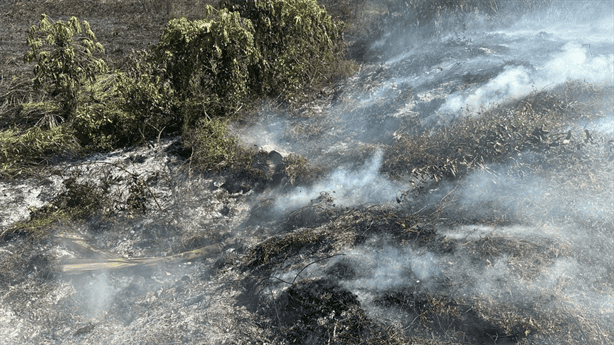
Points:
(14, 91)
(21, 152)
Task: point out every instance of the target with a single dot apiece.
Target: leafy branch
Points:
(62, 66)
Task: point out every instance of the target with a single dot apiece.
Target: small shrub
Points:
(300, 45)
(151, 103)
(213, 149)
(99, 121)
(148, 96)
(207, 62)
(62, 66)
(127, 107)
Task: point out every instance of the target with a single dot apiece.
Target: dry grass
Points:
(536, 123)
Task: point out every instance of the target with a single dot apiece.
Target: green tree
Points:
(63, 66)
(207, 62)
(300, 44)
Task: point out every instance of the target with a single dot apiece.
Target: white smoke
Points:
(604, 125)
(513, 83)
(572, 62)
(575, 61)
(266, 134)
(347, 187)
(99, 293)
(571, 40)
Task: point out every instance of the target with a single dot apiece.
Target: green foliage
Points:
(62, 66)
(149, 97)
(150, 102)
(99, 122)
(248, 49)
(201, 72)
(35, 145)
(207, 61)
(15, 92)
(213, 149)
(45, 113)
(299, 42)
(126, 107)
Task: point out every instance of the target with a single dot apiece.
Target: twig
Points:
(281, 280)
(190, 165)
(450, 192)
(275, 307)
(416, 318)
(420, 210)
(301, 271)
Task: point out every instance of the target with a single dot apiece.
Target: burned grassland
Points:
(328, 203)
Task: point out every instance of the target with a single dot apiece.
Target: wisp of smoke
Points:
(384, 268)
(346, 187)
(573, 62)
(100, 294)
(267, 133)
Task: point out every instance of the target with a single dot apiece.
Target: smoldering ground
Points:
(512, 247)
(532, 231)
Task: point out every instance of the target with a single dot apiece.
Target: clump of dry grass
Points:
(536, 123)
(14, 91)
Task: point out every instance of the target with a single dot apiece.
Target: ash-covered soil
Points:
(460, 191)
